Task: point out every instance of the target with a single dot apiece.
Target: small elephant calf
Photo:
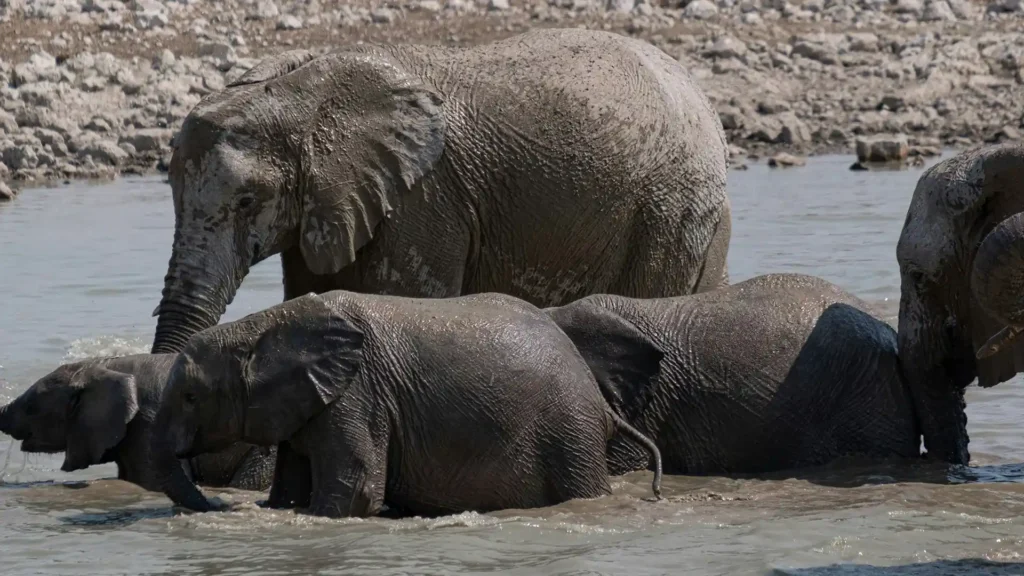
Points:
(431, 406)
(777, 372)
(101, 410)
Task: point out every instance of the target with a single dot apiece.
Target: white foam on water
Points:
(104, 346)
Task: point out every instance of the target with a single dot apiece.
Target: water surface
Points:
(81, 268)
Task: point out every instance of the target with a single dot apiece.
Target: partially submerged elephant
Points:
(777, 372)
(961, 257)
(430, 406)
(548, 166)
(101, 410)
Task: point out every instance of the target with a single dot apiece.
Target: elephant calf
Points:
(430, 406)
(776, 372)
(101, 410)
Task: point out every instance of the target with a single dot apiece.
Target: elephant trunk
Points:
(997, 281)
(197, 291)
(936, 385)
(6, 420)
(169, 473)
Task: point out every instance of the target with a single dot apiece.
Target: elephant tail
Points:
(647, 443)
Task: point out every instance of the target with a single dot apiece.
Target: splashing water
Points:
(104, 346)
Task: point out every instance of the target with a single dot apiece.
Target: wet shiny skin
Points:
(73, 290)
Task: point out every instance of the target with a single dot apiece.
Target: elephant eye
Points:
(916, 276)
(190, 398)
(245, 201)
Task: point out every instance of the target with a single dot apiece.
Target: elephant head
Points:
(961, 271)
(258, 379)
(302, 150)
(80, 409)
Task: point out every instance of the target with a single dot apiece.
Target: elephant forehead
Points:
(926, 238)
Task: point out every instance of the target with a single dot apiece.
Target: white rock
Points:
(40, 66)
(498, 5)
(908, 7)
(700, 10)
(727, 47)
(266, 10)
(104, 152)
(623, 6)
(382, 16)
(938, 10)
(289, 22)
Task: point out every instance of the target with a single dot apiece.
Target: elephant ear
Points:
(274, 67)
(98, 417)
(297, 367)
(376, 133)
(624, 361)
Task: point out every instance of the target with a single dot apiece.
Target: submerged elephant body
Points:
(429, 171)
(777, 372)
(429, 406)
(101, 410)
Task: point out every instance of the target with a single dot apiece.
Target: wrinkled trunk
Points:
(170, 475)
(6, 425)
(197, 289)
(925, 350)
(997, 281)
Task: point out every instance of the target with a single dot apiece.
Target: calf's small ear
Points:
(298, 367)
(106, 401)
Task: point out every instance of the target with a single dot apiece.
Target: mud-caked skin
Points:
(548, 166)
(777, 372)
(101, 410)
(430, 406)
(961, 257)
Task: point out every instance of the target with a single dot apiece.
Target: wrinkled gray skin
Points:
(777, 372)
(961, 263)
(430, 171)
(430, 406)
(101, 410)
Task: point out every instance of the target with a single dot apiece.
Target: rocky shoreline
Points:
(96, 88)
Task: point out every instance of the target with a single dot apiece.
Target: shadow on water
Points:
(972, 566)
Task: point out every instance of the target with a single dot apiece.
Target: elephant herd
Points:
(504, 280)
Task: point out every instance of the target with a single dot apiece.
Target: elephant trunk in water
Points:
(197, 291)
(936, 385)
(6, 425)
(169, 473)
(997, 280)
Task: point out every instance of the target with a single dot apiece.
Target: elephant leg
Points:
(298, 279)
(347, 482)
(668, 255)
(256, 472)
(349, 471)
(293, 481)
(715, 271)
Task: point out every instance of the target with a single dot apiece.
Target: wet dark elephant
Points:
(777, 372)
(101, 410)
(961, 257)
(429, 406)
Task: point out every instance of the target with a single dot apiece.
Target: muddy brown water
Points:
(81, 269)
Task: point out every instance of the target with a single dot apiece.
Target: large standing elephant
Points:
(548, 166)
(777, 372)
(961, 257)
(101, 410)
(430, 406)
